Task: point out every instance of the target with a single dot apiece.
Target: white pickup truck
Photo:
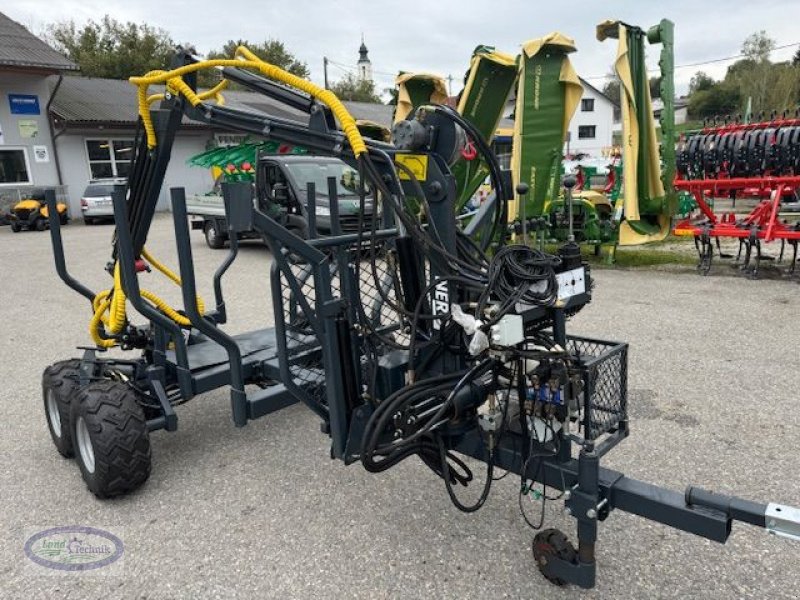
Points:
(280, 191)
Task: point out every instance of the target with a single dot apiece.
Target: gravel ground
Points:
(263, 512)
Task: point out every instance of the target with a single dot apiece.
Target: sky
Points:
(439, 37)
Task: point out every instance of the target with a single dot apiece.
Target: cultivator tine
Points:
(706, 254)
(783, 247)
(748, 250)
(794, 256)
(739, 253)
(720, 253)
(754, 274)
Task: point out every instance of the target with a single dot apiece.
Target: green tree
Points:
(758, 46)
(110, 48)
(392, 93)
(752, 74)
(272, 51)
(718, 100)
(700, 81)
(351, 88)
(655, 87)
(611, 89)
(783, 87)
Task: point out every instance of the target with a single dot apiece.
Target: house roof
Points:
(20, 48)
(383, 114)
(90, 100)
(589, 85)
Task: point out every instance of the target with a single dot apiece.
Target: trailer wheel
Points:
(112, 445)
(550, 544)
(59, 384)
(214, 238)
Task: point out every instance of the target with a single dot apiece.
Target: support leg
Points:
(556, 558)
(587, 499)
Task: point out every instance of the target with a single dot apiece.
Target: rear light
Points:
(84, 204)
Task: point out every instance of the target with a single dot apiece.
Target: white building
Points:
(29, 70)
(591, 130)
(60, 131)
(681, 110)
(364, 64)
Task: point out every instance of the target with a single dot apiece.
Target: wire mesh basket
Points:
(365, 281)
(603, 367)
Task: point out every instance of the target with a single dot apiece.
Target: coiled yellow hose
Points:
(110, 305)
(214, 92)
(110, 313)
(244, 59)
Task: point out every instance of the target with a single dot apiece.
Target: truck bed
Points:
(205, 205)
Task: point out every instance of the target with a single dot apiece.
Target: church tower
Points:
(364, 64)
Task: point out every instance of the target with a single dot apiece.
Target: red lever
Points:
(469, 152)
(141, 266)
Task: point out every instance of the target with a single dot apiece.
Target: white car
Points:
(96, 200)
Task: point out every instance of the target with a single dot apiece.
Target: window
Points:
(586, 132)
(587, 105)
(14, 166)
(109, 158)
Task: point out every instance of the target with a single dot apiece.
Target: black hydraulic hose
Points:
(455, 259)
(513, 274)
(501, 212)
(436, 418)
(380, 418)
(434, 250)
(386, 411)
(411, 226)
(487, 486)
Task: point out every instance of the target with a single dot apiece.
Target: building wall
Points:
(681, 115)
(76, 172)
(602, 117)
(681, 110)
(40, 173)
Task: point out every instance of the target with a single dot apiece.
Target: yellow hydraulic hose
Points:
(214, 92)
(110, 305)
(245, 59)
(111, 313)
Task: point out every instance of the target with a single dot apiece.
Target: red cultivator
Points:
(755, 160)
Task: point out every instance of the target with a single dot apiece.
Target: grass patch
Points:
(634, 256)
(646, 257)
(689, 126)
